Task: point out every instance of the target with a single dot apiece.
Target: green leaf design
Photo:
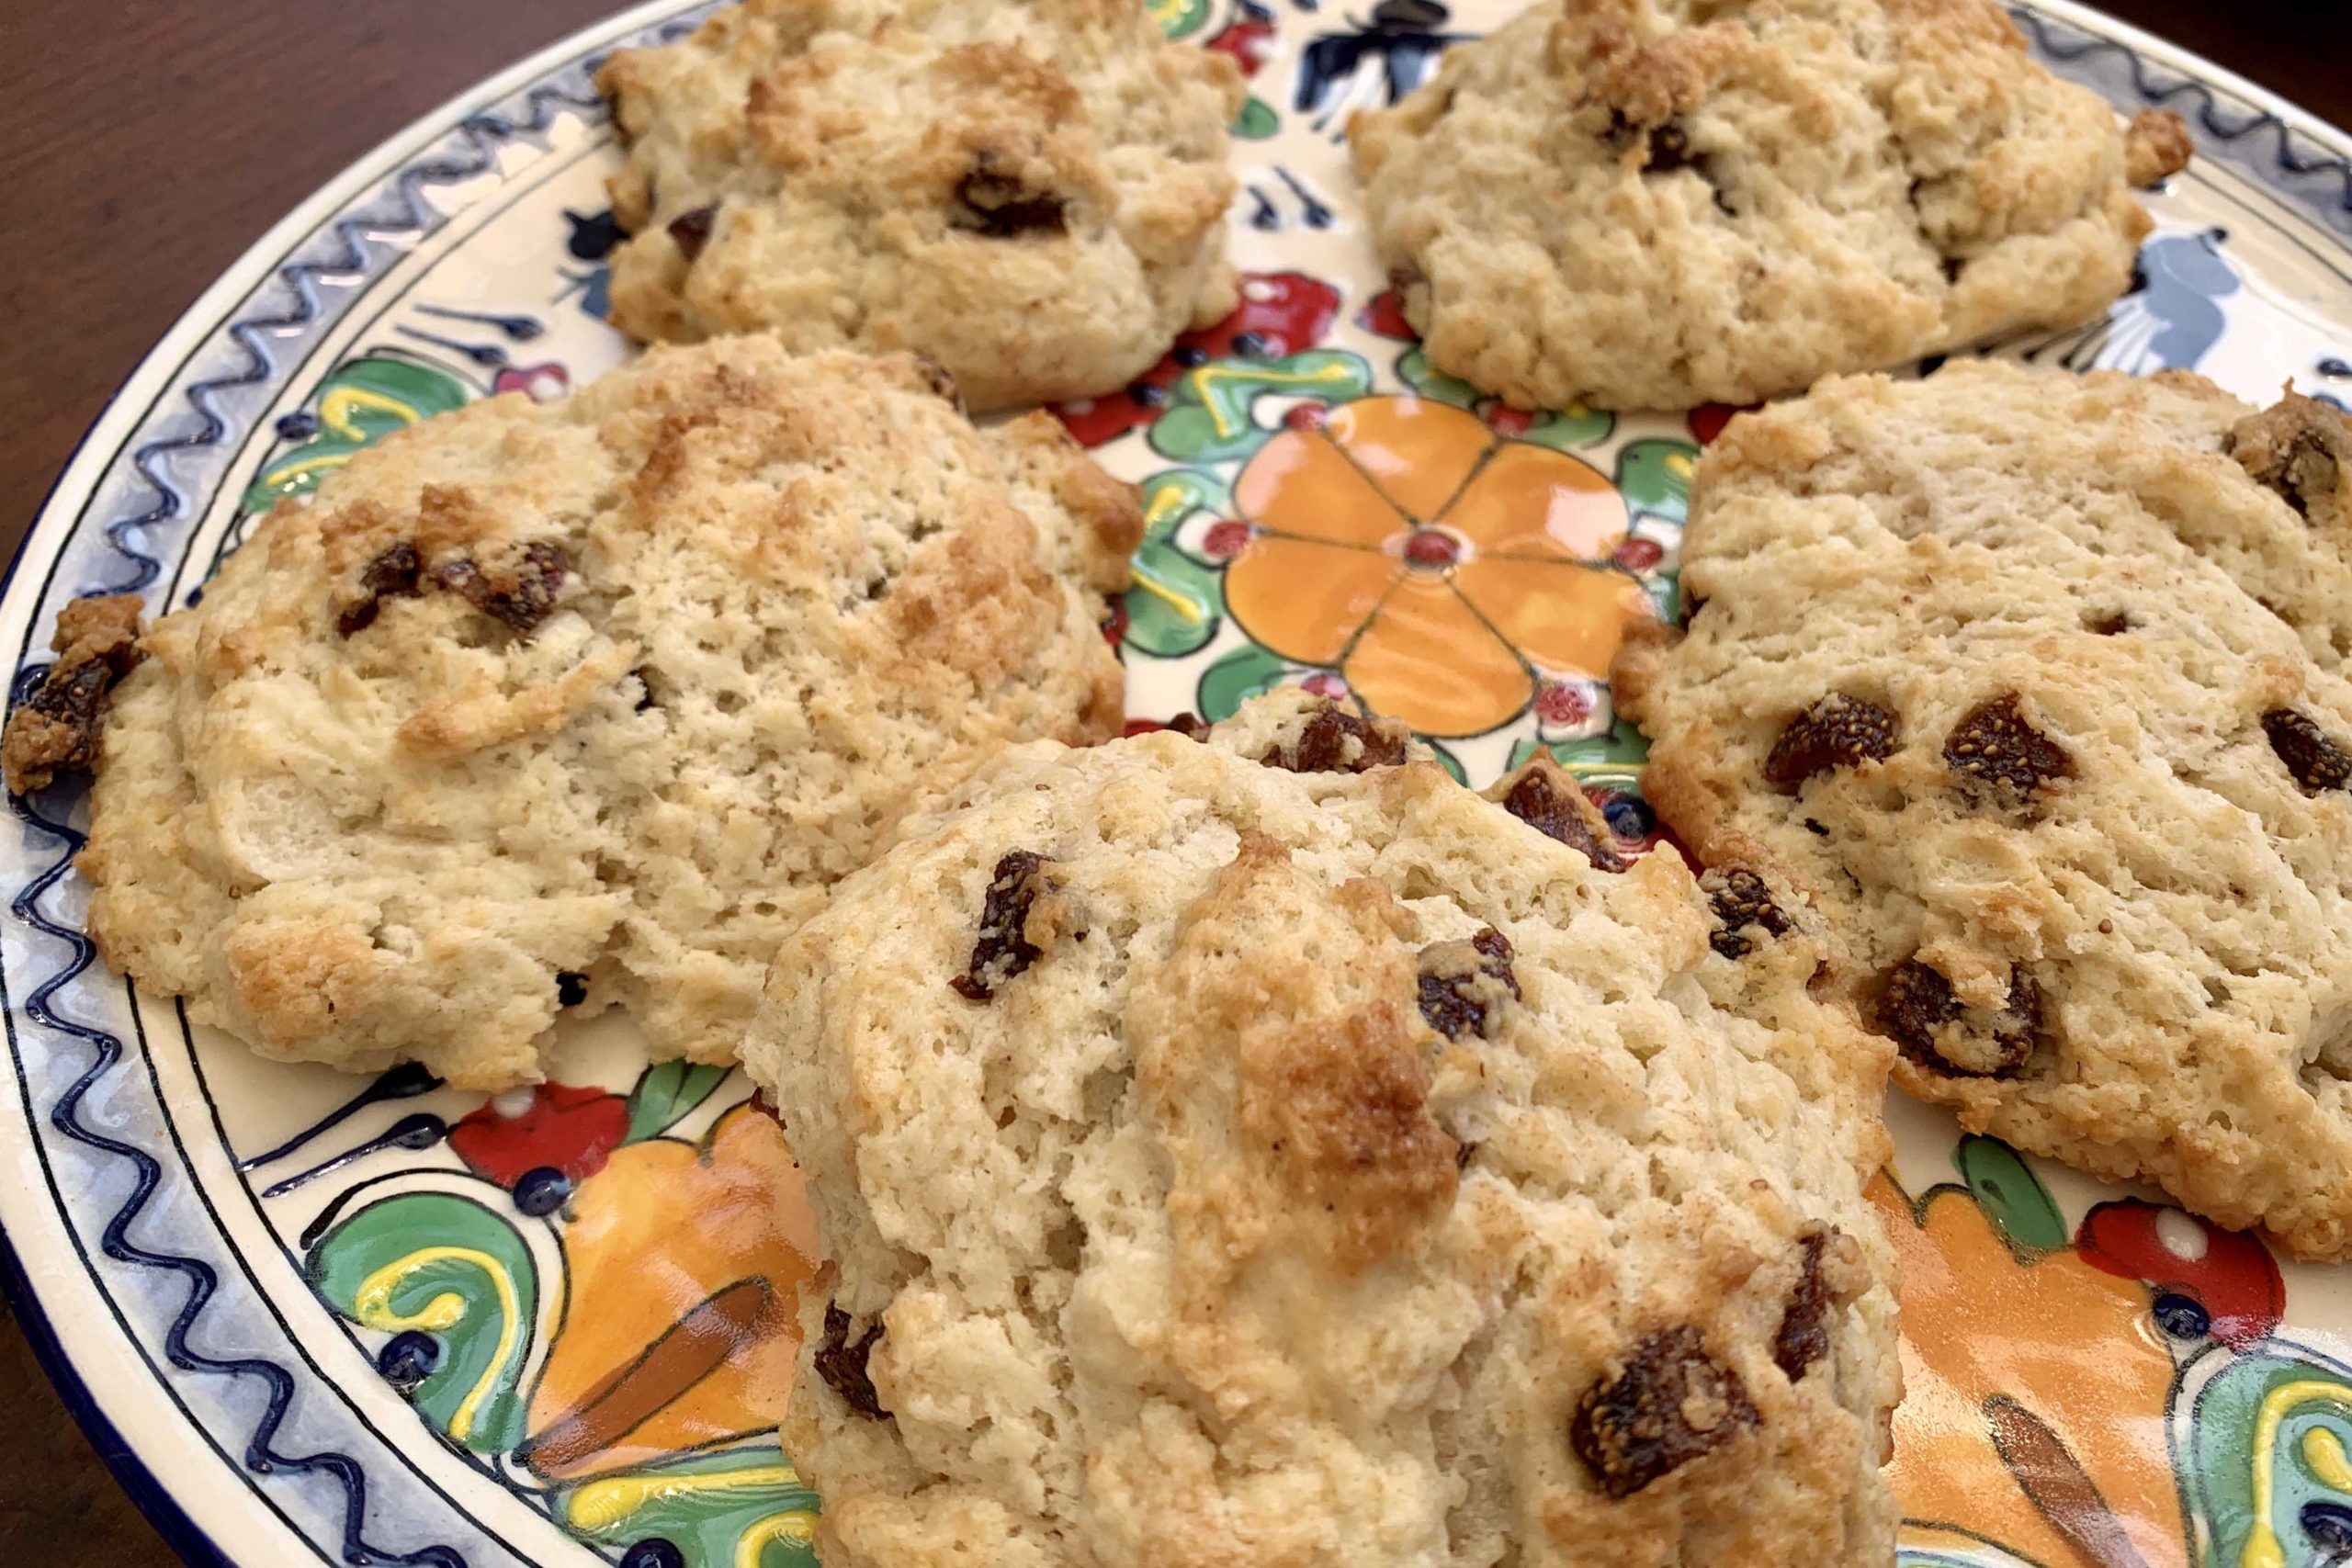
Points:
(1257, 120)
(1178, 599)
(740, 1508)
(666, 1092)
(1179, 19)
(1238, 677)
(358, 405)
(1620, 746)
(2311, 1401)
(1567, 428)
(449, 1267)
(1449, 761)
(1414, 369)
(1213, 414)
(1654, 476)
(2012, 1197)
(1176, 604)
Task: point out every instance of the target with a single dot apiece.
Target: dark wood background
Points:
(149, 141)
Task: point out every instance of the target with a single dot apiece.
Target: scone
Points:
(1230, 1164)
(1034, 194)
(532, 703)
(2037, 685)
(1657, 203)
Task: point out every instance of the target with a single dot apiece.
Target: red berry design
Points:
(571, 1129)
(1431, 549)
(1639, 554)
(1386, 316)
(1307, 416)
(1224, 540)
(1324, 686)
(1505, 420)
(1560, 703)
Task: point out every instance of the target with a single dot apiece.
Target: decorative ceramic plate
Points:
(314, 1318)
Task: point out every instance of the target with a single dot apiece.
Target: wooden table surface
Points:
(152, 141)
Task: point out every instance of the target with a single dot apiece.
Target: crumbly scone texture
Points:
(1229, 1164)
(614, 686)
(2037, 685)
(1033, 194)
(1655, 203)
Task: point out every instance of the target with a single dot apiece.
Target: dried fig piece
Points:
(1463, 983)
(522, 595)
(1005, 204)
(2301, 448)
(692, 230)
(2314, 761)
(841, 1362)
(1996, 745)
(1924, 1016)
(1337, 742)
(1671, 1404)
(1803, 1335)
(1837, 732)
(1549, 801)
(1740, 899)
(56, 729)
(396, 572)
(1003, 949)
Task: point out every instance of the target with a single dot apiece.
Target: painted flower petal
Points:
(1305, 598)
(1426, 658)
(1298, 483)
(1417, 450)
(1532, 500)
(1567, 619)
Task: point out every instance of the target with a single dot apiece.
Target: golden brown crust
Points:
(2088, 873)
(1346, 1172)
(1640, 203)
(1034, 198)
(616, 686)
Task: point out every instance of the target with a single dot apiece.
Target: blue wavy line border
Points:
(483, 133)
(2160, 87)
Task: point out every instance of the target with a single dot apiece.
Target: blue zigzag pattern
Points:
(482, 133)
(2162, 88)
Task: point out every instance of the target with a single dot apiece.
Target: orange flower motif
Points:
(1440, 568)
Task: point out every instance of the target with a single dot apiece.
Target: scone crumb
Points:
(2156, 146)
(55, 730)
(2301, 448)
(1544, 796)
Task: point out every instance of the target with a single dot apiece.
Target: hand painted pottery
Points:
(319, 1319)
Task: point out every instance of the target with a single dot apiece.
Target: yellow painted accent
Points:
(2262, 1549)
(337, 407)
(601, 1504)
(373, 1306)
(798, 1528)
(2323, 1452)
(1167, 596)
(278, 473)
(1207, 373)
(1679, 464)
(1164, 504)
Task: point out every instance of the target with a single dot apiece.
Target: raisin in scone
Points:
(2036, 682)
(1230, 1163)
(1033, 194)
(1655, 203)
(611, 688)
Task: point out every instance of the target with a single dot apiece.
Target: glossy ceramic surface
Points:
(335, 1320)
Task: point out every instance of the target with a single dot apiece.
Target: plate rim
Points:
(139, 1465)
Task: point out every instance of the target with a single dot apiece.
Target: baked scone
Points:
(1230, 1164)
(594, 696)
(2036, 682)
(1033, 194)
(1657, 203)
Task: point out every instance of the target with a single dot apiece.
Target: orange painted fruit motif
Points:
(1445, 571)
(684, 1265)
